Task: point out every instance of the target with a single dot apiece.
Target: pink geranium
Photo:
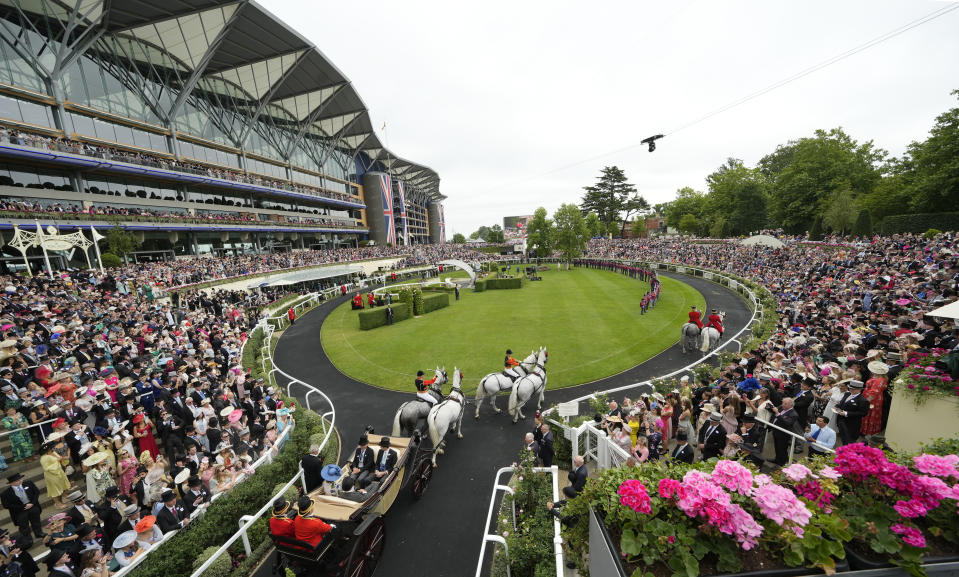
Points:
(780, 505)
(669, 487)
(937, 466)
(910, 509)
(632, 493)
(733, 476)
(910, 535)
(797, 472)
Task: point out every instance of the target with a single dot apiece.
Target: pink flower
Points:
(733, 476)
(669, 487)
(910, 535)
(911, 386)
(910, 509)
(780, 505)
(797, 472)
(632, 493)
(829, 473)
(671, 539)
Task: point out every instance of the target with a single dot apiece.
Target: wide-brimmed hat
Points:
(854, 384)
(235, 416)
(878, 368)
(331, 472)
(145, 524)
(614, 419)
(95, 459)
(714, 416)
(130, 510)
(227, 411)
(57, 517)
(182, 476)
(125, 539)
(75, 496)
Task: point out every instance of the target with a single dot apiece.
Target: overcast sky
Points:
(520, 104)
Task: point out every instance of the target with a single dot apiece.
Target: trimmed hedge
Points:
(504, 283)
(436, 301)
(919, 223)
(372, 318)
(480, 286)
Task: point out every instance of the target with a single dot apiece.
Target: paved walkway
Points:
(440, 534)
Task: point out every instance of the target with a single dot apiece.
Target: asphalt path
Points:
(440, 534)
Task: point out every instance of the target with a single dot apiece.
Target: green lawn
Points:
(589, 320)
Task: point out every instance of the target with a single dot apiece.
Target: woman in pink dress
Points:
(109, 377)
(127, 470)
(143, 431)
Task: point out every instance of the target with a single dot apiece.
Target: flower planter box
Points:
(910, 425)
(605, 560)
(858, 562)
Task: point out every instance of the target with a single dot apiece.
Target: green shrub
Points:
(331, 452)
(942, 447)
(290, 494)
(436, 301)
(372, 318)
(480, 286)
(110, 260)
(920, 222)
(504, 283)
(931, 233)
(418, 302)
(219, 568)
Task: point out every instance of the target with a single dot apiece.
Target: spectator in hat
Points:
(363, 462)
(14, 552)
(110, 512)
(125, 548)
(62, 535)
(131, 516)
(53, 475)
(683, 452)
(148, 534)
(22, 499)
(196, 496)
(82, 511)
(21, 444)
(94, 563)
(786, 418)
(173, 515)
(88, 537)
(712, 436)
(874, 392)
(60, 564)
(850, 411)
(358, 492)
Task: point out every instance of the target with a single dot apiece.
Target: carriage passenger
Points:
(422, 387)
(306, 527)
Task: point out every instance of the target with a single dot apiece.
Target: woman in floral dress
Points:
(127, 471)
(20, 442)
(873, 392)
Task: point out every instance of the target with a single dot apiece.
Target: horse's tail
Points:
(397, 426)
(705, 340)
(513, 395)
(481, 389)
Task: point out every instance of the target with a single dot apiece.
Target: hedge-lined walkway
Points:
(440, 534)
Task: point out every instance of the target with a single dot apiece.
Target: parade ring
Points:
(440, 534)
(590, 321)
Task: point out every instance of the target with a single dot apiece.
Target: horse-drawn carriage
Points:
(354, 546)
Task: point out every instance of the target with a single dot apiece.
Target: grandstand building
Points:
(201, 126)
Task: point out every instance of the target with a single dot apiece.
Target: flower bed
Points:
(925, 375)
(721, 517)
(530, 543)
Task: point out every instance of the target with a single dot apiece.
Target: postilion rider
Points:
(509, 362)
(696, 318)
(422, 387)
(715, 321)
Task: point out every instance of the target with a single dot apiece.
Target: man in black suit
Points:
(109, 512)
(82, 511)
(850, 410)
(16, 552)
(173, 515)
(577, 478)
(312, 465)
(532, 445)
(363, 461)
(197, 496)
(753, 438)
(131, 516)
(546, 450)
(786, 418)
(22, 499)
(683, 453)
(385, 460)
(712, 437)
(803, 401)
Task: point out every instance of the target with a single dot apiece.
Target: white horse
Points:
(709, 337)
(496, 383)
(412, 414)
(447, 416)
(690, 337)
(532, 384)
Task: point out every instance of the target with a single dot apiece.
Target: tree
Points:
(570, 232)
(633, 205)
(863, 226)
(737, 195)
(121, 242)
(481, 233)
(932, 166)
(688, 224)
(803, 175)
(539, 233)
(609, 196)
(841, 213)
(593, 225)
(687, 201)
(496, 234)
(638, 228)
(815, 232)
(719, 227)
(459, 238)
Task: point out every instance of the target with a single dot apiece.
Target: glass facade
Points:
(34, 177)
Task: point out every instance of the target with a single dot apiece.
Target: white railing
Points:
(737, 338)
(39, 426)
(597, 446)
(495, 538)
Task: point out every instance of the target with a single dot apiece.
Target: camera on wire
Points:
(651, 141)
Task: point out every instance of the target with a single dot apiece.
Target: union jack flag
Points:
(406, 235)
(386, 187)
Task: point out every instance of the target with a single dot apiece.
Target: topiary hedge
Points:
(480, 286)
(919, 223)
(372, 318)
(110, 260)
(435, 301)
(504, 283)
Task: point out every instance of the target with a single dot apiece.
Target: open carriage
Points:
(354, 547)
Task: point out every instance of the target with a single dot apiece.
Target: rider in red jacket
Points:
(696, 318)
(715, 321)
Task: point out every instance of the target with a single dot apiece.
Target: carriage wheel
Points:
(421, 477)
(368, 550)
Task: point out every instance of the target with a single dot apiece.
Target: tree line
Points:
(825, 182)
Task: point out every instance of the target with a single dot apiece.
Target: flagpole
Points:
(96, 244)
(43, 246)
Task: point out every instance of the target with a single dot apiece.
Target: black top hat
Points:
(364, 440)
(168, 495)
(112, 492)
(84, 529)
(682, 436)
(15, 477)
(385, 442)
(194, 481)
(749, 419)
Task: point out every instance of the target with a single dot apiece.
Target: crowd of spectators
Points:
(850, 316)
(165, 162)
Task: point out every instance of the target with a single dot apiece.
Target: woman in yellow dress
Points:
(53, 475)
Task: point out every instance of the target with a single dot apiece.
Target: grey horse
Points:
(690, 337)
(411, 415)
